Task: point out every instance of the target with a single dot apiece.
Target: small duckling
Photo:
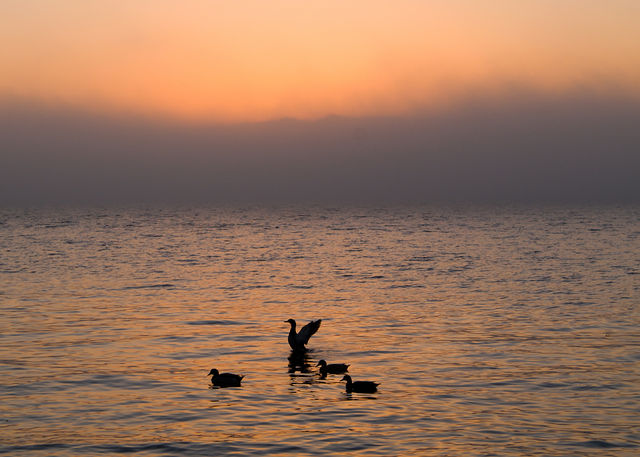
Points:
(360, 386)
(224, 379)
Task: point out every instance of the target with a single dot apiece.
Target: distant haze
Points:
(519, 146)
(330, 101)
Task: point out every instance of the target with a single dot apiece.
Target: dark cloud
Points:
(580, 147)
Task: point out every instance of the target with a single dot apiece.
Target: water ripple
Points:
(503, 332)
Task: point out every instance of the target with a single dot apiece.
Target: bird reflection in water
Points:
(299, 368)
(299, 362)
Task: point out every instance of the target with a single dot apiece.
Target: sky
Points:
(284, 99)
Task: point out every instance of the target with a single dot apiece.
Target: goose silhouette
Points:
(224, 379)
(360, 386)
(298, 340)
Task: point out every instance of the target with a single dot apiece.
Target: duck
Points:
(225, 379)
(298, 340)
(360, 386)
(333, 368)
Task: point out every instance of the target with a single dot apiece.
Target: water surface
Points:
(494, 331)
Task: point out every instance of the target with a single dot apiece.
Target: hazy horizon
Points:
(521, 147)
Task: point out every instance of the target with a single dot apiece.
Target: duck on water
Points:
(224, 379)
(368, 387)
(332, 368)
(298, 340)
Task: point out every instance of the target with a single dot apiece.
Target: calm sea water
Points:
(495, 331)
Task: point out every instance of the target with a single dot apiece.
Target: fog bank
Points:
(519, 147)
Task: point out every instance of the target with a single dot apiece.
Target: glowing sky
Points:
(258, 60)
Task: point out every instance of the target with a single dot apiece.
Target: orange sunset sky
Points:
(255, 60)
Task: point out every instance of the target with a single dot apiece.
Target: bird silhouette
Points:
(360, 386)
(298, 340)
(224, 379)
(333, 368)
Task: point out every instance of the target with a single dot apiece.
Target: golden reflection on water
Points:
(485, 339)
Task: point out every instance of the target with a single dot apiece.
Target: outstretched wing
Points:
(305, 332)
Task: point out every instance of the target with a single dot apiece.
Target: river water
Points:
(506, 331)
